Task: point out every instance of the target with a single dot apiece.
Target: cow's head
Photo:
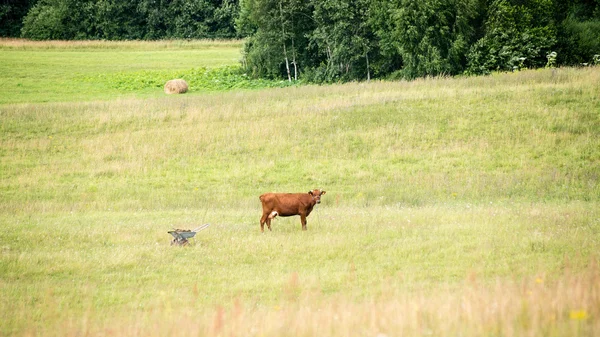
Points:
(316, 194)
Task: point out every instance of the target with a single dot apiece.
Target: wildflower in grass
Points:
(578, 315)
(539, 280)
(551, 60)
(521, 61)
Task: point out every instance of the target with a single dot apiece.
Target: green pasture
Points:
(430, 184)
(36, 72)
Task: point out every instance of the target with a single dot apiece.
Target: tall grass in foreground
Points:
(568, 307)
(533, 306)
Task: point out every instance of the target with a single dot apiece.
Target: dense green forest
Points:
(338, 40)
(332, 40)
(119, 19)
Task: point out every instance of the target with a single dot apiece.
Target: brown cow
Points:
(288, 204)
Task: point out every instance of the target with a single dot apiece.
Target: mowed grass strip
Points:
(60, 71)
(447, 200)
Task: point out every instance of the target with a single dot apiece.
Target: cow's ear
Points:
(310, 192)
(322, 192)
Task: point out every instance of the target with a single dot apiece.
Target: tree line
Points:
(338, 40)
(119, 19)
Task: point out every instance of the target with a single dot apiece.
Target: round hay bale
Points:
(177, 86)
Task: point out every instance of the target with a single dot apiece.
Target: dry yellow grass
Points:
(14, 43)
(533, 306)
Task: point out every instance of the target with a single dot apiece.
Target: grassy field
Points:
(465, 206)
(59, 71)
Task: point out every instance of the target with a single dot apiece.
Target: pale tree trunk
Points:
(368, 69)
(287, 62)
(294, 60)
(294, 52)
(329, 61)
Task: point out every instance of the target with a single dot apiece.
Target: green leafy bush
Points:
(57, 20)
(434, 36)
(127, 20)
(516, 36)
(198, 79)
(551, 60)
(581, 40)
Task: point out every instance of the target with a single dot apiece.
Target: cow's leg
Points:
(263, 219)
(303, 220)
(269, 223)
(271, 216)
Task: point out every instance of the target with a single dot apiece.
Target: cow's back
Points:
(286, 204)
